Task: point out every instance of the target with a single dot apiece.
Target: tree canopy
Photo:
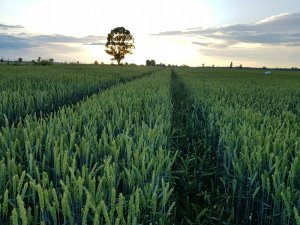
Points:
(150, 62)
(119, 43)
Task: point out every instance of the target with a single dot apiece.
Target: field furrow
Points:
(194, 168)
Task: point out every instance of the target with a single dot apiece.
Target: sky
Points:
(192, 32)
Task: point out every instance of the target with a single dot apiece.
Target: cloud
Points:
(210, 45)
(278, 30)
(175, 32)
(7, 27)
(12, 38)
(57, 38)
(14, 42)
(25, 41)
(95, 43)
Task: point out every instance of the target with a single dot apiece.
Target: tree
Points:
(231, 64)
(20, 60)
(119, 43)
(1, 60)
(150, 62)
(43, 62)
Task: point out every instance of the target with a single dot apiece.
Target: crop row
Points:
(112, 159)
(102, 161)
(252, 128)
(39, 90)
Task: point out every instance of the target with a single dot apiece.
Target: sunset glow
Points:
(178, 32)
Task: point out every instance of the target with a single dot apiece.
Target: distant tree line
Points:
(20, 61)
(153, 63)
(46, 62)
(43, 62)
